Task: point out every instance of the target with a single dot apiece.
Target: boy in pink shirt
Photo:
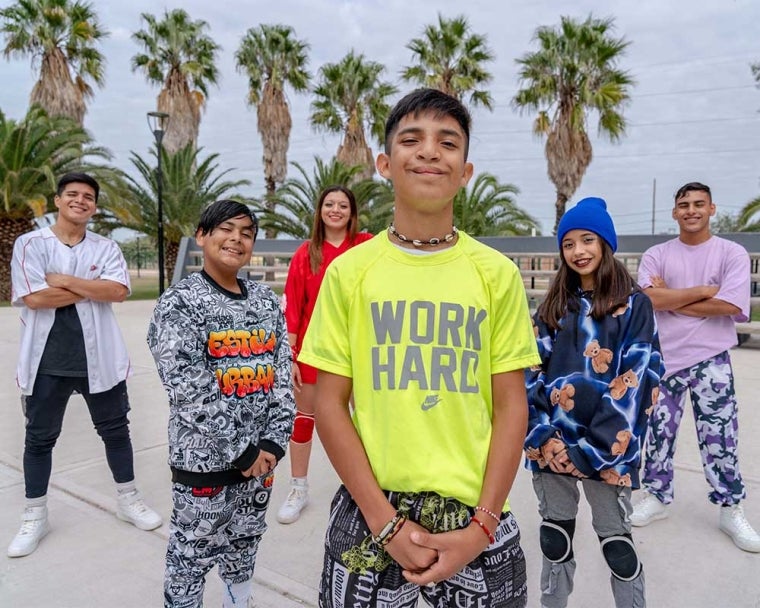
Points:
(699, 286)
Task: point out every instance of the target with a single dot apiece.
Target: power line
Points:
(707, 90)
(713, 59)
(667, 93)
(695, 121)
(644, 154)
(646, 124)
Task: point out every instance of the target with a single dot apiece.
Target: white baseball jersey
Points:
(40, 252)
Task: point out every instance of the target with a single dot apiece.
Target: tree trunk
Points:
(171, 250)
(10, 229)
(274, 125)
(183, 108)
(559, 208)
(270, 203)
(270, 232)
(56, 91)
(354, 149)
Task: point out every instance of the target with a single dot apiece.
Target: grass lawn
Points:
(144, 288)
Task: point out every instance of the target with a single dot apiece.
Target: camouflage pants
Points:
(710, 384)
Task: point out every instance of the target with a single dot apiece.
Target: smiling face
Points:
(76, 204)
(336, 211)
(582, 252)
(693, 211)
(227, 248)
(426, 162)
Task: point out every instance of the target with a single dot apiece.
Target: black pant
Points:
(44, 410)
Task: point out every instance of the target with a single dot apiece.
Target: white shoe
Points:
(647, 510)
(734, 523)
(297, 499)
(34, 527)
(132, 508)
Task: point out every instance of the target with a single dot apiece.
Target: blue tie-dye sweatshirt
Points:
(595, 389)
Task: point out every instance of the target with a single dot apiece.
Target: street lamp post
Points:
(157, 121)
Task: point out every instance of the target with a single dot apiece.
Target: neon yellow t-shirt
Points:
(420, 336)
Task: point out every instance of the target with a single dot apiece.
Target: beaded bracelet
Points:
(486, 531)
(488, 512)
(389, 530)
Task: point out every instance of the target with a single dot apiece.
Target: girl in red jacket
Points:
(334, 232)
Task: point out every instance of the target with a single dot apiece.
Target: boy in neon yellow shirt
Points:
(430, 330)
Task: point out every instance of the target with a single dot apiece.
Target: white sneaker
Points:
(647, 510)
(132, 508)
(34, 527)
(297, 499)
(734, 523)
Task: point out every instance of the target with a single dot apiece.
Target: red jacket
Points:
(302, 285)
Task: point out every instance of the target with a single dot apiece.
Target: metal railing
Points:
(536, 257)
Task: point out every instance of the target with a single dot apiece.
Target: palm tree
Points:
(189, 185)
(63, 37)
(573, 73)
(725, 222)
(178, 52)
(271, 58)
(298, 196)
(749, 217)
(448, 57)
(488, 208)
(34, 152)
(350, 98)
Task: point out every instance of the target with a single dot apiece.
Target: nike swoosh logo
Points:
(429, 403)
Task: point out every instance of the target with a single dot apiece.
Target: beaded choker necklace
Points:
(434, 242)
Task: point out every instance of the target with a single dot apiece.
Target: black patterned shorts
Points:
(357, 573)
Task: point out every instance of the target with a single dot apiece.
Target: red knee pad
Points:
(303, 428)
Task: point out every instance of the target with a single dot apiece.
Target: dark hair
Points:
(692, 187)
(421, 101)
(223, 210)
(612, 286)
(318, 227)
(78, 178)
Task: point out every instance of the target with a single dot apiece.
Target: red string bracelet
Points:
(486, 531)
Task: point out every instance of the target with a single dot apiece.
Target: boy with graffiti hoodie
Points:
(221, 349)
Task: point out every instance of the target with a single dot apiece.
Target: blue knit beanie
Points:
(589, 214)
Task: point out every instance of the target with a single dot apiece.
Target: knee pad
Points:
(621, 557)
(556, 539)
(303, 428)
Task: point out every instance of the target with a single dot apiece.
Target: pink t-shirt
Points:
(686, 340)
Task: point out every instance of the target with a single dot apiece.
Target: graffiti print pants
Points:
(710, 384)
(218, 526)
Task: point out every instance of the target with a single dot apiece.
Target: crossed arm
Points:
(698, 301)
(67, 289)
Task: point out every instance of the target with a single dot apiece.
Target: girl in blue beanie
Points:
(589, 402)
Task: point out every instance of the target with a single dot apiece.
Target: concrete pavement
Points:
(92, 559)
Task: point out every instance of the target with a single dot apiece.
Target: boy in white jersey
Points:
(430, 330)
(699, 286)
(65, 279)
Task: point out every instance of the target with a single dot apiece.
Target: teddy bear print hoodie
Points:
(595, 388)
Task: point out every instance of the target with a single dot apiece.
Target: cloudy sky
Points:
(693, 114)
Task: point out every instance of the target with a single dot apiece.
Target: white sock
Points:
(40, 501)
(126, 488)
